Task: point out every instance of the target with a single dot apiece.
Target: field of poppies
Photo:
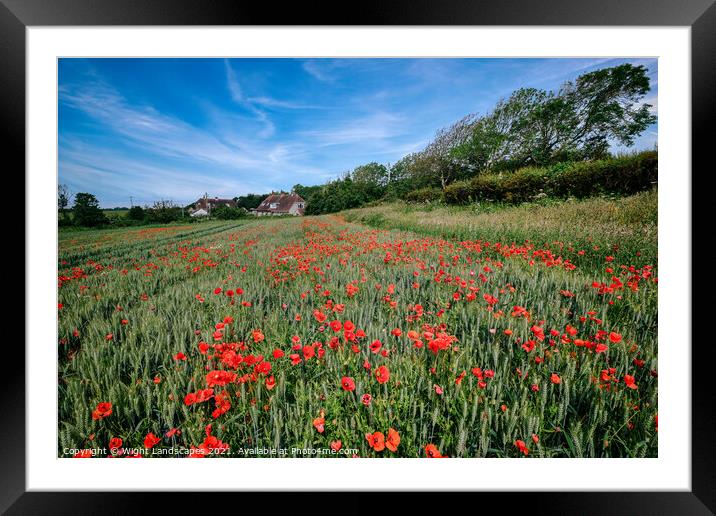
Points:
(329, 337)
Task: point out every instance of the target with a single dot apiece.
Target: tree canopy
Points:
(531, 127)
(87, 212)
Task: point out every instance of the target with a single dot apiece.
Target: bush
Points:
(135, 213)
(480, 188)
(427, 194)
(228, 213)
(624, 175)
(86, 211)
(459, 192)
(162, 215)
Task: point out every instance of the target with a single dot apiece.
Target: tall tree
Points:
(87, 211)
(63, 199)
(373, 173)
(536, 127)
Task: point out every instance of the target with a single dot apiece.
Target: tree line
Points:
(531, 128)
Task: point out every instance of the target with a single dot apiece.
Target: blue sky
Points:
(177, 128)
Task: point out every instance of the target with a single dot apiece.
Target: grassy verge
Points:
(626, 226)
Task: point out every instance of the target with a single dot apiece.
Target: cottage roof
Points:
(282, 203)
(212, 202)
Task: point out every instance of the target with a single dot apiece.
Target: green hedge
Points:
(623, 175)
(427, 194)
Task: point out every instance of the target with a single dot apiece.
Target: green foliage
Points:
(136, 213)
(428, 194)
(538, 128)
(250, 201)
(621, 176)
(228, 213)
(162, 212)
(373, 173)
(306, 191)
(342, 194)
(86, 211)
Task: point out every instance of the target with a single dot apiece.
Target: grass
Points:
(501, 349)
(115, 214)
(629, 223)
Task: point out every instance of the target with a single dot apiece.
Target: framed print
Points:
(450, 233)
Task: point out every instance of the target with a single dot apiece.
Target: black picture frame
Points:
(700, 15)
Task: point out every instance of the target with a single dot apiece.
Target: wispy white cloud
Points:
(281, 104)
(318, 71)
(149, 144)
(379, 126)
(238, 97)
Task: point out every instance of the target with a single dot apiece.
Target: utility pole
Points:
(131, 202)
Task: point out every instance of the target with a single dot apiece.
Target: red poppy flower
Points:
(555, 378)
(522, 447)
(103, 410)
(114, 443)
(319, 424)
(336, 445)
(376, 440)
(366, 399)
(348, 384)
(270, 382)
(432, 452)
(393, 440)
(615, 337)
(375, 346)
(220, 377)
(151, 440)
(629, 381)
(382, 374)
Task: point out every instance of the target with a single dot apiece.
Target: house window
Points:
(273, 205)
(300, 205)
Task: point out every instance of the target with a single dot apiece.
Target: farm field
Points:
(391, 331)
